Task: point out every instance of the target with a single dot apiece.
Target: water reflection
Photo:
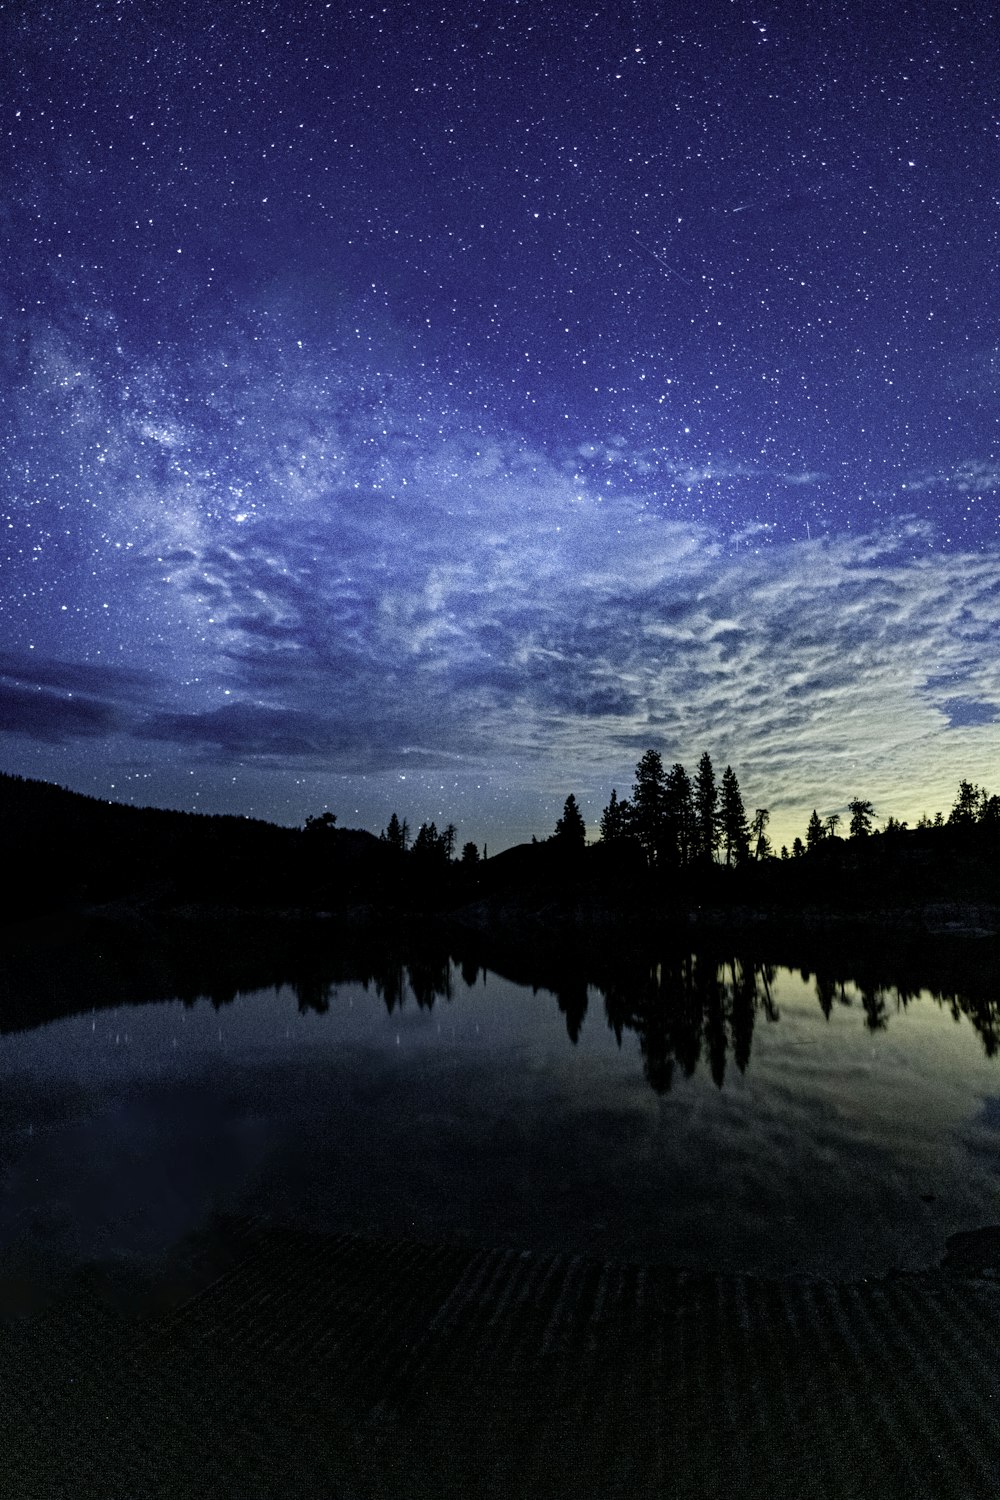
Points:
(691, 1008)
(688, 1009)
(770, 1108)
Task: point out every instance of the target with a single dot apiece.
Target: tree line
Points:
(678, 820)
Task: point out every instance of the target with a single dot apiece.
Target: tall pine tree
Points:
(649, 804)
(706, 809)
(679, 815)
(571, 830)
(615, 819)
(733, 820)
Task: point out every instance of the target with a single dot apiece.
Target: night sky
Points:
(430, 407)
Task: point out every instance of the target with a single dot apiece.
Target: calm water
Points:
(724, 1117)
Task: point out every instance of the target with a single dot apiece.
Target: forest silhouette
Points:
(677, 845)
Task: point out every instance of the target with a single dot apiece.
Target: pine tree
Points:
(733, 820)
(758, 834)
(427, 841)
(706, 809)
(648, 804)
(679, 830)
(614, 825)
(571, 830)
(969, 803)
(814, 831)
(397, 834)
(861, 813)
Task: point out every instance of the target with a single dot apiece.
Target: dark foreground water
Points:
(723, 1116)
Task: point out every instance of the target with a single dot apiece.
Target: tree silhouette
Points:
(814, 831)
(429, 846)
(571, 830)
(733, 820)
(968, 806)
(572, 999)
(426, 839)
(758, 834)
(396, 834)
(322, 824)
(679, 814)
(614, 825)
(649, 804)
(706, 809)
(862, 813)
(470, 854)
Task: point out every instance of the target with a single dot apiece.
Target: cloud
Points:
(973, 477)
(287, 737)
(332, 570)
(244, 729)
(56, 701)
(806, 477)
(511, 621)
(51, 717)
(31, 669)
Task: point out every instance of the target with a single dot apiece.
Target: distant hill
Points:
(63, 850)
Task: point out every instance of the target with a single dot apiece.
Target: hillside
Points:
(68, 851)
(63, 849)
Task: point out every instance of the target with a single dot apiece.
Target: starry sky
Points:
(430, 407)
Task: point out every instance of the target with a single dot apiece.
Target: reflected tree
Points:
(873, 1003)
(572, 1001)
(430, 980)
(312, 994)
(826, 993)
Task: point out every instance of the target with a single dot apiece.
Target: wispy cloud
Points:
(345, 574)
(524, 623)
(974, 477)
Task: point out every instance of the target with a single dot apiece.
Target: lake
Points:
(725, 1115)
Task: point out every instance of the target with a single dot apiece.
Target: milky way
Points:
(432, 407)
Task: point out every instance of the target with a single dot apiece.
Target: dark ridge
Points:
(64, 851)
